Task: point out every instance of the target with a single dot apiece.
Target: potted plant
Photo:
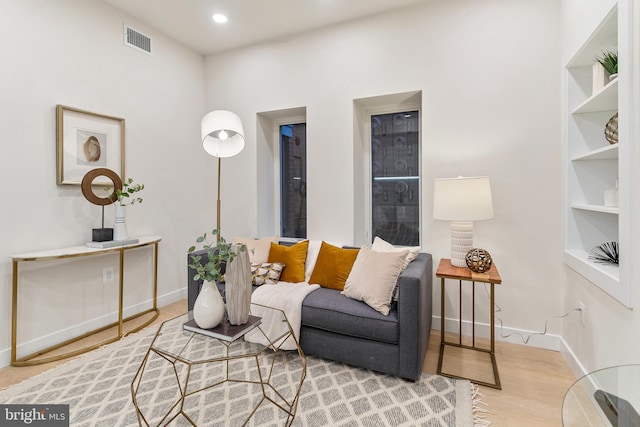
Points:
(217, 254)
(609, 61)
(124, 197)
(209, 307)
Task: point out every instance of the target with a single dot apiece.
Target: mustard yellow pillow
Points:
(333, 266)
(293, 257)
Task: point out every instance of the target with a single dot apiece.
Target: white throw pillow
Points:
(373, 278)
(380, 245)
(312, 256)
(258, 248)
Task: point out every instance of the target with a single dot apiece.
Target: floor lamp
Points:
(462, 200)
(222, 136)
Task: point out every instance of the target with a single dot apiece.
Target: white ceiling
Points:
(250, 21)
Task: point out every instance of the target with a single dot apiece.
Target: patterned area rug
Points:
(97, 387)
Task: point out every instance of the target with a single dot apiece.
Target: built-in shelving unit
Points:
(593, 164)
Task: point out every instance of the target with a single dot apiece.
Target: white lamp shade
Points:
(462, 199)
(222, 133)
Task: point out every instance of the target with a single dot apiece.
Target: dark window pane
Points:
(395, 186)
(293, 180)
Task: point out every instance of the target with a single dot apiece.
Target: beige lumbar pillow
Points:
(258, 248)
(374, 276)
(380, 245)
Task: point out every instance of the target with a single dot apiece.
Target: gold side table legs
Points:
(446, 271)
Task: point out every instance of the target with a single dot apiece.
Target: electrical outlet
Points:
(107, 275)
(583, 313)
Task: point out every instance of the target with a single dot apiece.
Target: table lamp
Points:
(462, 200)
(222, 136)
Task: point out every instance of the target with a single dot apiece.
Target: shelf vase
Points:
(120, 223)
(611, 196)
(208, 310)
(237, 280)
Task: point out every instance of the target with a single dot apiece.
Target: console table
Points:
(75, 252)
(448, 271)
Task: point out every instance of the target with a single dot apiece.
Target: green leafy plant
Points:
(126, 195)
(609, 61)
(216, 255)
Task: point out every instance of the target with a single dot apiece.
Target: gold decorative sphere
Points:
(478, 260)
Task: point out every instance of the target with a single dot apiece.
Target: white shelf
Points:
(597, 208)
(605, 100)
(610, 152)
(588, 174)
(607, 276)
(604, 37)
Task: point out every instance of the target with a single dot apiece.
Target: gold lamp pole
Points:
(222, 136)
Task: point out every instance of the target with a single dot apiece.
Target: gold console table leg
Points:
(28, 360)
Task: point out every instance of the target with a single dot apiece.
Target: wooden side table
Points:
(448, 271)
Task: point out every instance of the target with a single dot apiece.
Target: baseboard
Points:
(504, 334)
(482, 330)
(574, 363)
(62, 335)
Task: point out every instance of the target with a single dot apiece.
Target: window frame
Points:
(277, 179)
(368, 187)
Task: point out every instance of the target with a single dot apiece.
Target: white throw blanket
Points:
(285, 296)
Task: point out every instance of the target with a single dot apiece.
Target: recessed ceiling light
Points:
(220, 18)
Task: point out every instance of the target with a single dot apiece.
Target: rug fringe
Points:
(479, 413)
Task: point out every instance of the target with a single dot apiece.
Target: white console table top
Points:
(75, 251)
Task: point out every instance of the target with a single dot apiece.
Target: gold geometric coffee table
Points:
(190, 375)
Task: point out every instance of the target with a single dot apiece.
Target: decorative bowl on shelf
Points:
(611, 129)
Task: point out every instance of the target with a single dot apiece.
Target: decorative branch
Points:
(605, 253)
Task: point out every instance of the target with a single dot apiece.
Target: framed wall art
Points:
(86, 141)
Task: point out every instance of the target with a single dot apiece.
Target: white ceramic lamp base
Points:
(461, 242)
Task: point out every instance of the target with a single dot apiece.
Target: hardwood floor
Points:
(534, 380)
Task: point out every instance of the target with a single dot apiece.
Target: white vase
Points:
(208, 309)
(237, 280)
(611, 196)
(120, 223)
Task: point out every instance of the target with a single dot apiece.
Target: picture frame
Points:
(86, 141)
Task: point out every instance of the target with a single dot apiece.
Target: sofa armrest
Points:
(415, 299)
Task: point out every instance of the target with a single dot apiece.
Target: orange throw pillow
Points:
(333, 266)
(293, 257)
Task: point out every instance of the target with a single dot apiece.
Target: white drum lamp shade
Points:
(222, 133)
(462, 200)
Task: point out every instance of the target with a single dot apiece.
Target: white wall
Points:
(71, 52)
(489, 74)
(610, 335)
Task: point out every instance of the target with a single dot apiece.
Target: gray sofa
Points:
(345, 330)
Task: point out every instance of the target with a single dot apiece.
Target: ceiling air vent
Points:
(137, 40)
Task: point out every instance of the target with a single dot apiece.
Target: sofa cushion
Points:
(333, 266)
(266, 273)
(380, 245)
(329, 310)
(258, 248)
(293, 257)
(374, 276)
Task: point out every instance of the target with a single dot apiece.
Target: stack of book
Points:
(225, 330)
